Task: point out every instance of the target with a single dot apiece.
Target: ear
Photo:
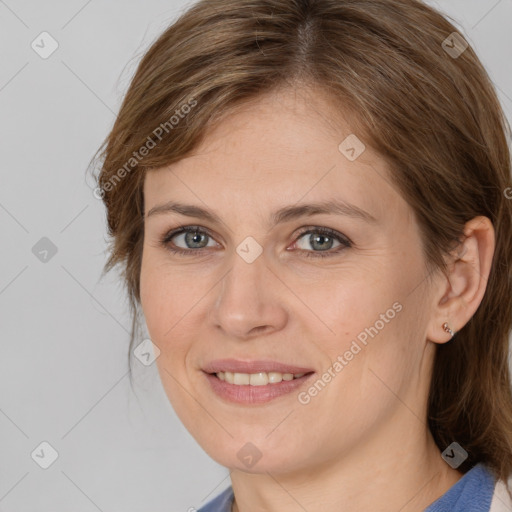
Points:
(460, 292)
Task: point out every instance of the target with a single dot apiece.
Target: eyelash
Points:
(165, 241)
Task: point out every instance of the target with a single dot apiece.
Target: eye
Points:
(324, 240)
(193, 238)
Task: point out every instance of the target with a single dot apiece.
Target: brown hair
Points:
(433, 115)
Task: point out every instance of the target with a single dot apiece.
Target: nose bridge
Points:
(245, 299)
(243, 281)
(248, 266)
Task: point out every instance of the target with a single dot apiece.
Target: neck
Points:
(406, 473)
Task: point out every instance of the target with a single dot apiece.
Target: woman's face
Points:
(251, 287)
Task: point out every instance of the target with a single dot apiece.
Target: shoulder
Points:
(221, 503)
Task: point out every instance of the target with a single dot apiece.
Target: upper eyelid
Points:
(184, 229)
(301, 232)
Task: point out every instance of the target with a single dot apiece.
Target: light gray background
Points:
(63, 362)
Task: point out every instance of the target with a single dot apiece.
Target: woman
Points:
(310, 203)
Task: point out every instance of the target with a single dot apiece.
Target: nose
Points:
(249, 300)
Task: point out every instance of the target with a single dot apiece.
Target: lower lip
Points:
(247, 394)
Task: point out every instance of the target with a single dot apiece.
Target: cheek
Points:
(166, 295)
(162, 309)
(164, 301)
(369, 319)
(350, 301)
(172, 302)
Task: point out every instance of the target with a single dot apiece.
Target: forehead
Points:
(280, 149)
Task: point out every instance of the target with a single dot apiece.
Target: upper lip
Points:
(256, 366)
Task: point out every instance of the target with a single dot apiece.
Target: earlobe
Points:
(465, 282)
(447, 328)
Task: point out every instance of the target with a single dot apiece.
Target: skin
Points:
(362, 443)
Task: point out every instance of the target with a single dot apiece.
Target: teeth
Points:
(256, 379)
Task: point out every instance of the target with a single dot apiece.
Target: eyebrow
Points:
(285, 214)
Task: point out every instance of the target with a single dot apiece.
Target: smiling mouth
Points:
(257, 379)
(255, 388)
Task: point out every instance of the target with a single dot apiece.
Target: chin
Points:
(255, 456)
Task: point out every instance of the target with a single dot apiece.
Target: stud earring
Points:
(446, 327)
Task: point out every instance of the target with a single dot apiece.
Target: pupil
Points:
(321, 238)
(193, 238)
